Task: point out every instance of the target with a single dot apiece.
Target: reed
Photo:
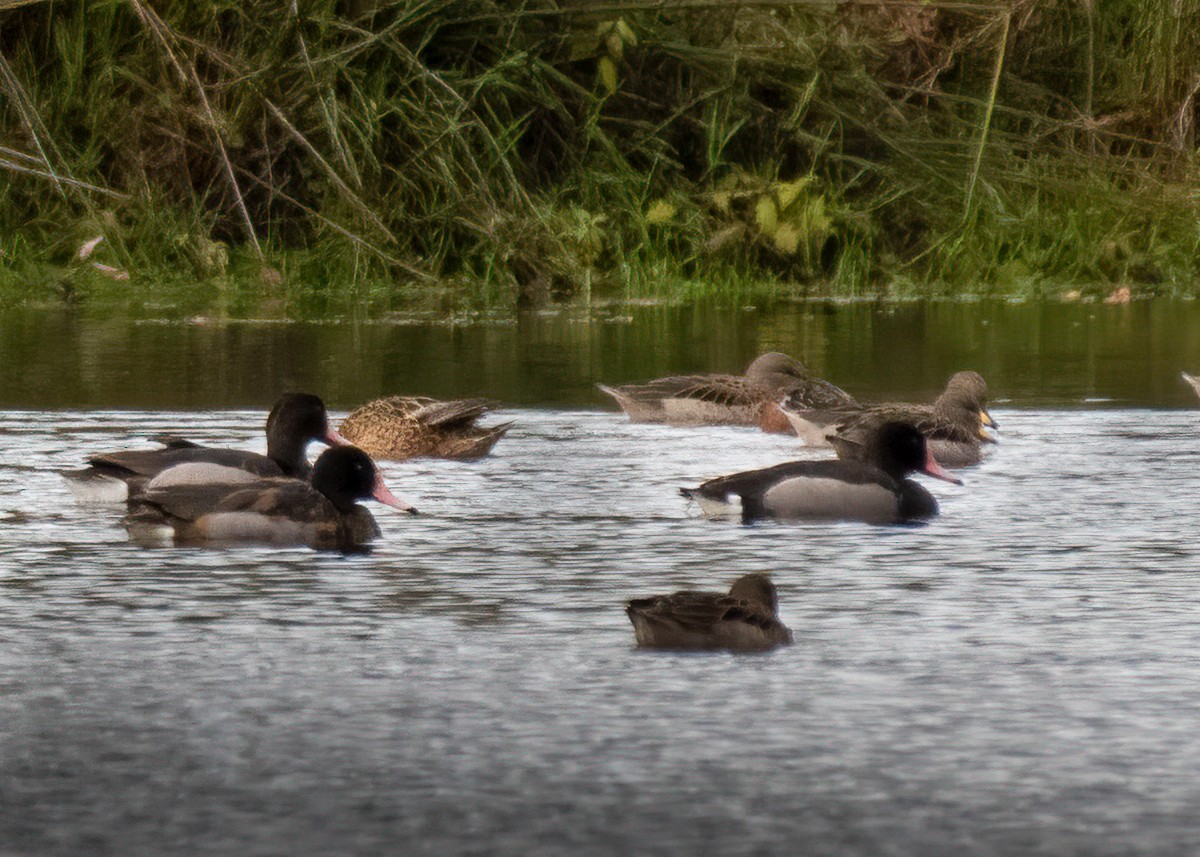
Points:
(488, 153)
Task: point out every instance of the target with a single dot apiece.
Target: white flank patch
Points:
(811, 433)
(808, 497)
(200, 473)
(712, 508)
(98, 489)
(253, 527)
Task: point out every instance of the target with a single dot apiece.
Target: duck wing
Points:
(461, 413)
(729, 390)
(699, 620)
(935, 424)
(817, 394)
(174, 441)
(753, 483)
(147, 463)
(700, 612)
(269, 497)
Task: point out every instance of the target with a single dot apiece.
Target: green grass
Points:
(372, 155)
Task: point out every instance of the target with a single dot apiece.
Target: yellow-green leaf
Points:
(607, 71)
(660, 212)
(766, 215)
(616, 47)
(721, 199)
(787, 192)
(626, 33)
(787, 238)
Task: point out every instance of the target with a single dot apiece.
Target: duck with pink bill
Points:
(874, 489)
(322, 513)
(296, 420)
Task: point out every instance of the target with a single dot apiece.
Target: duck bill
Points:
(984, 436)
(986, 419)
(387, 498)
(332, 438)
(932, 468)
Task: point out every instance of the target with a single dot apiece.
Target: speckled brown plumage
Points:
(401, 427)
(744, 620)
(952, 424)
(726, 399)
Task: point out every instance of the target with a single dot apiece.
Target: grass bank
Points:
(466, 154)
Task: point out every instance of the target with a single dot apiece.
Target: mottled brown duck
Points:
(749, 399)
(402, 427)
(953, 424)
(744, 620)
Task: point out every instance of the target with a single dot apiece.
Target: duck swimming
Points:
(874, 490)
(744, 620)
(296, 420)
(402, 427)
(725, 399)
(322, 513)
(953, 424)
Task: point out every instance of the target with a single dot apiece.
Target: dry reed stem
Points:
(33, 123)
(344, 189)
(987, 116)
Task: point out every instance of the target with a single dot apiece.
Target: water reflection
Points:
(1045, 353)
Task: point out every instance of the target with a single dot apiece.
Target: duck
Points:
(954, 424)
(1193, 381)
(322, 513)
(690, 400)
(295, 420)
(874, 490)
(746, 619)
(403, 427)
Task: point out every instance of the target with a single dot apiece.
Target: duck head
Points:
(346, 474)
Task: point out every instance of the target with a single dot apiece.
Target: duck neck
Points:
(955, 409)
(287, 451)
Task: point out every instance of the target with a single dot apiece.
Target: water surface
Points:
(1019, 676)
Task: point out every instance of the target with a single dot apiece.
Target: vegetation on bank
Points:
(467, 153)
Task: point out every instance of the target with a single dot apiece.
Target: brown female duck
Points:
(744, 620)
(322, 513)
(296, 420)
(726, 399)
(953, 424)
(401, 427)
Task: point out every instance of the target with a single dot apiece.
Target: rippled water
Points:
(1020, 676)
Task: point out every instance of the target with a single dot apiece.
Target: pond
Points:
(1018, 676)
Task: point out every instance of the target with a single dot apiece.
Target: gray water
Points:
(1017, 677)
